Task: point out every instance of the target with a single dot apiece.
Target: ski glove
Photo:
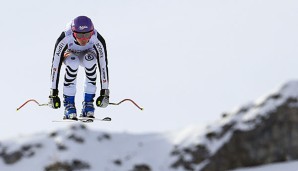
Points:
(103, 99)
(54, 100)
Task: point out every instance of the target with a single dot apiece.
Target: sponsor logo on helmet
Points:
(83, 27)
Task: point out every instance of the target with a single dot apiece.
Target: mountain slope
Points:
(288, 166)
(81, 148)
(261, 132)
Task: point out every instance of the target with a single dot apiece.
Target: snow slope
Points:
(286, 166)
(98, 150)
(102, 151)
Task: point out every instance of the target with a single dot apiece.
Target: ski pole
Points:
(32, 100)
(46, 104)
(129, 101)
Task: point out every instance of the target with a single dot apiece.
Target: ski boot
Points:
(70, 111)
(88, 107)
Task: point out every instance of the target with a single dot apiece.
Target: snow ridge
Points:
(79, 148)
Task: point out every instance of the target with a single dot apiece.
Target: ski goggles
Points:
(83, 35)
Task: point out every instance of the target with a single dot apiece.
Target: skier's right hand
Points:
(54, 100)
(103, 99)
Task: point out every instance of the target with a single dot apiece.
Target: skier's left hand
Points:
(103, 99)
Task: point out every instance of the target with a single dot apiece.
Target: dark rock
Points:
(243, 109)
(53, 134)
(78, 165)
(141, 167)
(61, 147)
(216, 135)
(225, 129)
(11, 158)
(175, 151)
(224, 115)
(38, 145)
(104, 137)
(272, 97)
(26, 147)
(118, 162)
(76, 138)
(83, 127)
(58, 166)
(197, 154)
(181, 162)
(68, 166)
(31, 154)
(211, 135)
(275, 96)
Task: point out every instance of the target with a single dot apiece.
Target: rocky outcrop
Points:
(188, 157)
(141, 167)
(68, 166)
(274, 139)
(15, 156)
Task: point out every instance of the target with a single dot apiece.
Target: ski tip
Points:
(107, 119)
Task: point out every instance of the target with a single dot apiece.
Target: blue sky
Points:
(185, 62)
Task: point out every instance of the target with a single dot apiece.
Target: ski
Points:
(87, 119)
(84, 119)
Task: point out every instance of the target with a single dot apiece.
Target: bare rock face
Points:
(11, 158)
(275, 139)
(195, 154)
(15, 156)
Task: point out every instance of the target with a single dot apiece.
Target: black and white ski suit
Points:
(92, 55)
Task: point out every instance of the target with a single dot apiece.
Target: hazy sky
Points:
(185, 62)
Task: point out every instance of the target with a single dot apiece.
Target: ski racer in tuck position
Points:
(80, 44)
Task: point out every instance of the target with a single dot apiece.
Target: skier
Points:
(80, 44)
